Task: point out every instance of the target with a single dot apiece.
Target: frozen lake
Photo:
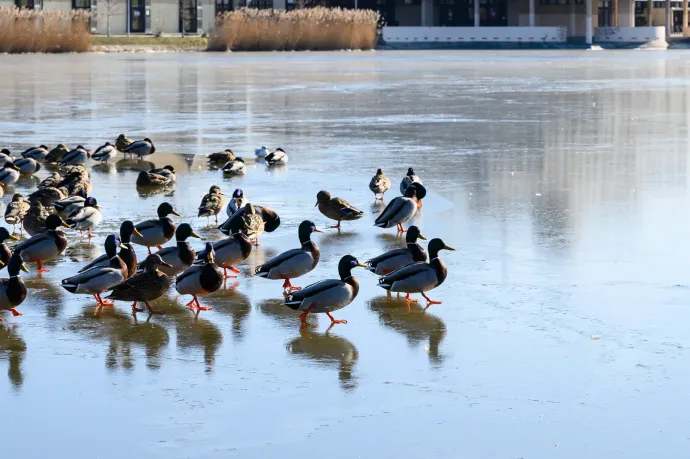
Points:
(561, 178)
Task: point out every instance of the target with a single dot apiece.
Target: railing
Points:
(474, 34)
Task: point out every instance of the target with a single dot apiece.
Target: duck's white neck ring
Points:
(411, 243)
(14, 277)
(348, 277)
(112, 258)
(435, 258)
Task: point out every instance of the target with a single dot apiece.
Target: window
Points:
(604, 13)
(81, 4)
(561, 2)
(29, 4)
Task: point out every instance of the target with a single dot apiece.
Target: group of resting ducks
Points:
(119, 272)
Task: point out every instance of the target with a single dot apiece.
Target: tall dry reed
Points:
(317, 29)
(37, 31)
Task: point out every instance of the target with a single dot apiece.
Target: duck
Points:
(105, 152)
(76, 178)
(235, 223)
(379, 184)
(9, 174)
(234, 167)
(70, 204)
(200, 280)
(45, 246)
(56, 154)
(229, 252)
(27, 166)
(336, 208)
(145, 286)
(140, 148)
(156, 232)
(126, 254)
(295, 262)
(419, 277)
(167, 171)
(397, 258)
(276, 157)
(37, 153)
(16, 210)
(122, 142)
(86, 218)
(13, 290)
(5, 252)
(51, 181)
(48, 196)
(180, 256)
(220, 158)
(75, 157)
(253, 224)
(5, 157)
(100, 278)
(147, 179)
(34, 221)
(262, 151)
(401, 209)
(212, 203)
(328, 295)
(408, 180)
(237, 202)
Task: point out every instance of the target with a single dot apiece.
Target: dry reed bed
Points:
(37, 31)
(316, 29)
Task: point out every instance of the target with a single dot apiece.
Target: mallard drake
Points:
(27, 166)
(86, 218)
(237, 202)
(295, 262)
(9, 174)
(235, 224)
(77, 156)
(56, 154)
(16, 210)
(253, 224)
(262, 152)
(200, 280)
(379, 184)
(126, 254)
(419, 277)
(229, 252)
(34, 221)
(401, 209)
(44, 246)
(166, 171)
(105, 152)
(37, 153)
(336, 208)
(408, 180)
(140, 148)
(397, 258)
(71, 203)
(277, 157)
(5, 252)
(328, 295)
(48, 196)
(147, 179)
(156, 232)
(180, 256)
(212, 203)
(51, 181)
(220, 158)
(234, 167)
(145, 286)
(123, 142)
(13, 290)
(5, 156)
(100, 278)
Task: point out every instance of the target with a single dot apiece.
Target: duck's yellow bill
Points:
(122, 246)
(318, 230)
(361, 265)
(137, 233)
(13, 237)
(62, 222)
(195, 235)
(174, 212)
(24, 268)
(421, 237)
(449, 247)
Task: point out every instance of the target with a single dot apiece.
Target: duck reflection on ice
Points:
(148, 191)
(45, 293)
(275, 308)
(13, 347)
(327, 350)
(135, 165)
(414, 323)
(195, 331)
(236, 304)
(105, 168)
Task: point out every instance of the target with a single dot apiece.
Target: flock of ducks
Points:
(63, 200)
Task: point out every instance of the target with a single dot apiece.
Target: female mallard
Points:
(37, 153)
(156, 232)
(140, 148)
(122, 142)
(5, 252)
(336, 208)
(253, 224)
(234, 167)
(379, 184)
(262, 152)
(35, 219)
(27, 166)
(45, 246)
(5, 157)
(419, 277)
(212, 203)
(145, 286)
(328, 295)
(126, 254)
(230, 252)
(277, 157)
(237, 202)
(295, 262)
(51, 181)
(70, 204)
(56, 154)
(86, 218)
(166, 171)
(397, 258)
(180, 256)
(13, 290)
(48, 196)
(77, 156)
(220, 158)
(408, 180)
(200, 280)
(100, 278)
(146, 179)
(235, 224)
(16, 210)
(105, 152)
(9, 174)
(401, 209)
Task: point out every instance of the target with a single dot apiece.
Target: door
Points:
(188, 16)
(456, 13)
(137, 13)
(493, 13)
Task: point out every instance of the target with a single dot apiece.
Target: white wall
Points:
(115, 11)
(629, 34)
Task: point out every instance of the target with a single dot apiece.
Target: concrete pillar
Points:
(614, 23)
(667, 15)
(531, 13)
(588, 21)
(476, 13)
(685, 18)
(427, 13)
(650, 11)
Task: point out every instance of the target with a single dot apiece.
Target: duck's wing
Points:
(391, 209)
(147, 225)
(417, 277)
(405, 272)
(385, 256)
(33, 241)
(296, 298)
(276, 261)
(100, 261)
(89, 275)
(344, 207)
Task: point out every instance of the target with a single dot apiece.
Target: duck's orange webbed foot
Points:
(334, 320)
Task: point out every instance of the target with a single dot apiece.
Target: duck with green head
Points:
(180, 256)
(401, 209)
(5, 252)
(45, 246)
(155, 233)
(13, 290)
(200, 280)
(126, 254)
(395, 259)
